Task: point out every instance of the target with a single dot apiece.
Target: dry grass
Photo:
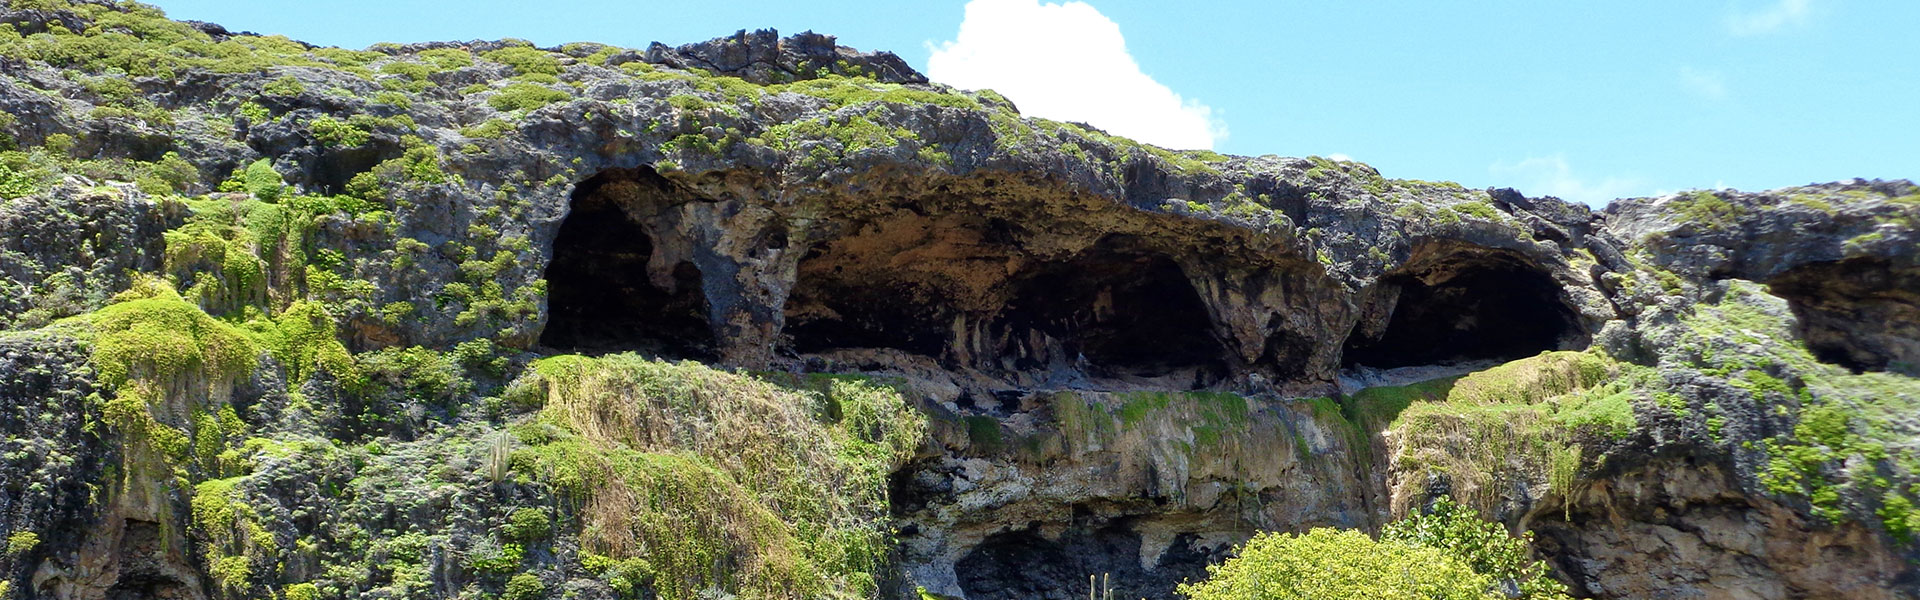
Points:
(719, 480)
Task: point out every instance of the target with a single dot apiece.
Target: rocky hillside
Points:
(771, 317)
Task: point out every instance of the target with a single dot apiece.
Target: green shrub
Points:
(526, 96)
(22, 542)
(525, 586)
(447, 59)
(528, 525)
(413, 71)
(286, 85)
(14, 184)
(1478, 208)
(525, 60)
(1331, 563)
(262, 181)
(1483, 545)
(493, 129)
(712, 479)
(334, 132)
(487, 557)
(302, 591)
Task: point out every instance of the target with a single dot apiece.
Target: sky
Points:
(1588, 101)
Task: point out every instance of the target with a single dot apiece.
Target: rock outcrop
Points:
(1129, 358)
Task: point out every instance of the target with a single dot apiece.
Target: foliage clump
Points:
(710, 479)
(1484, 545)
(1334, 563)
(526, 96)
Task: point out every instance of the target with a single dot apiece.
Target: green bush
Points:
(334, 132)
(525, 60)
(525, 586)
(526, 96)
(22, 542)
(284, 86)
(262, 181)
(529, 525)
(1332, 563)
(1483, 545)
(14, 184)
(302, 591)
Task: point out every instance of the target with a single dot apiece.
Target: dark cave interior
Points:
(602, 296)
(1860, 313)
(1467, 306)
(1124, 311)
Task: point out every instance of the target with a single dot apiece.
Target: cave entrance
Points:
(901, 280)
(839, 314)
(1860, 313)
(1465, 305)
(1118, 310)
(611, 287)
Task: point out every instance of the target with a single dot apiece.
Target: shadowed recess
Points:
(1862, 313)
(607, 290)
(1466, 305)
(1121, 311)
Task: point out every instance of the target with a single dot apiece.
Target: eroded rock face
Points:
(1145, 487)
(1861, 313)
(1128, 353)
(1682, 529)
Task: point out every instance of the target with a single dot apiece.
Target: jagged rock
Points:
(1132, 357)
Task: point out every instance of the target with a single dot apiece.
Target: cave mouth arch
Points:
(1118, 311)
(845, 315)
(1465, 305)
(1859, 313)
(611, 285)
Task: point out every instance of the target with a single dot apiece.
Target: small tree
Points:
(1333, 563)
(1483, 545)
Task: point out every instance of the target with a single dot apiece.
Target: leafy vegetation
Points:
(1483, 545)
(1521, 419)
(1333, 563)
(526, 96)
(677, 466)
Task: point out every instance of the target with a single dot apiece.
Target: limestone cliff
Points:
(289, 321)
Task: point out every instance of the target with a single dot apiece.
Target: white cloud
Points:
(1552, 176)
(1705, 84)
(1771, 18)
(1340, 157)
(1068, 62)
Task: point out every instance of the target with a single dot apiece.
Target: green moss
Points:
(235, 541)
(303, 339)
(984, 434)
(162, 337)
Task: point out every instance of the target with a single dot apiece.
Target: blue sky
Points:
(1586, 100)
